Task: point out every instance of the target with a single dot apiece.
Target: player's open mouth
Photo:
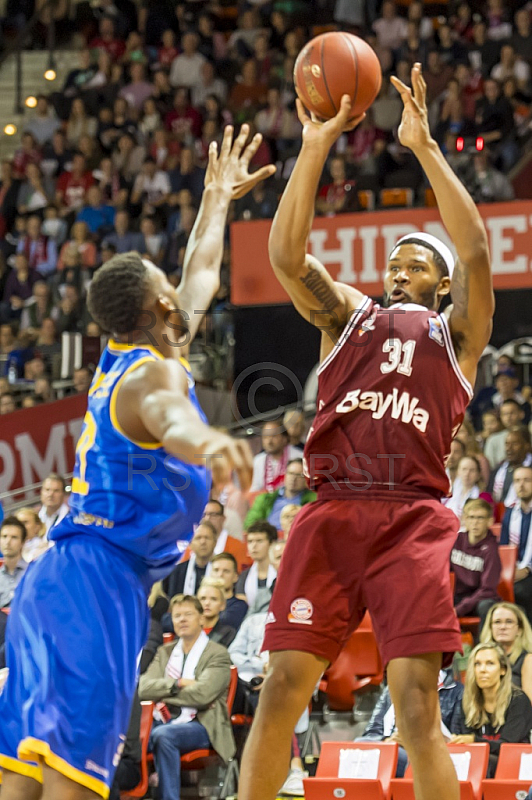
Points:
(398, 295)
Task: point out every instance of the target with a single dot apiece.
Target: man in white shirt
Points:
(53, 498)
(152, 185)
(516, 529)
(512, 414)
(391, 29)
(209, 84)
(12, 537)
(269, 467)
(186, 68)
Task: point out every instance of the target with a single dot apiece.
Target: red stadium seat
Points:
(168, 637)
(146, 721)
(366, 199)
(508, 554)
(430, 198)
(506, 784)
(396, 197)
(470, 789)
(358, 666)
(496, 530)
(327, 785)
(505, 589)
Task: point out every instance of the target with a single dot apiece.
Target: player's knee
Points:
(416, 723)
(285, 681)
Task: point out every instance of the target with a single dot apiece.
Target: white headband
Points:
(435, 243)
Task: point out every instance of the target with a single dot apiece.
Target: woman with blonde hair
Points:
(211, 595)
(494, 710)
(36, 541)
(508, 626)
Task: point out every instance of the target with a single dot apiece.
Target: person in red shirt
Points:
(115, 48)
(340, 195)
(475, 562)
(168, 51)
(183, 121)
(72, 186)
(27, 153)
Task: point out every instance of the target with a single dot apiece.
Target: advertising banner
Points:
(355, 247)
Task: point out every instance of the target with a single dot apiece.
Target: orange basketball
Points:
(334, 64)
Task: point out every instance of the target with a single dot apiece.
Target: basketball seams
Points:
(355, 59)
(324, 76)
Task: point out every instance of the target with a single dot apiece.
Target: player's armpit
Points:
(325, 303)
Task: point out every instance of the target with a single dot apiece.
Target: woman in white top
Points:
(467, 485)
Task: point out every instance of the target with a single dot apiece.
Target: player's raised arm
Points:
(471, 286)
(153, 402)
(316, 296)
(227, 179)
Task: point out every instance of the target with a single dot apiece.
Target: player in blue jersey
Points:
(141, 480)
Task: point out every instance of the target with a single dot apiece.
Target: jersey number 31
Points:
(400, 356)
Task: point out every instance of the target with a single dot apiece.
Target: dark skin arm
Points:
(153, 406)
(470, 316)
(325, 303)
(227, 179)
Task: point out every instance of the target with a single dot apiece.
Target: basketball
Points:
(334, 64)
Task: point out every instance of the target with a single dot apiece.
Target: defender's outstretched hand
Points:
(414, 131)
(325, 134)
(230, 169)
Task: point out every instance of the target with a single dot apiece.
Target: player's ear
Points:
(164, 303)
(444, 286)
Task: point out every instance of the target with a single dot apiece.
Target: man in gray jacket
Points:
(191, 678)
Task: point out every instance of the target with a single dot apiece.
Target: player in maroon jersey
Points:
(394, 384)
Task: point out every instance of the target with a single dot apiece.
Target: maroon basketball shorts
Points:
(387, 552)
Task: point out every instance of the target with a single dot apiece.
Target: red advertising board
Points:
(40, 440)
(354, 248)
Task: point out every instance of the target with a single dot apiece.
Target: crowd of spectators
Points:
(115, 160)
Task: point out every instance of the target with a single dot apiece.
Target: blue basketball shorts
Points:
(78, 622)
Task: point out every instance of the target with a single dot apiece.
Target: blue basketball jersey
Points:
(135, 495)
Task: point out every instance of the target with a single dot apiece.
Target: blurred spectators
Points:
(44, 122)
(40, 250)
(391, 29)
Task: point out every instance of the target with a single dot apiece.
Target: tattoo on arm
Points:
(460, 290)
(460, 298)
(317, 286)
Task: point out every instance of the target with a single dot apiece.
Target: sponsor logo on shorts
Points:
(270, 617)
(301, 611)
(90, 765)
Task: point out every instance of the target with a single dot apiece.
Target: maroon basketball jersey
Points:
(391, 396)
